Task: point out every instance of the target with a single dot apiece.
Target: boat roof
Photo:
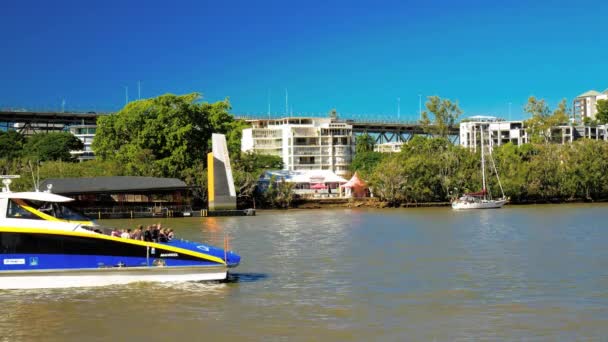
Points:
(83, 185)
(36, 196)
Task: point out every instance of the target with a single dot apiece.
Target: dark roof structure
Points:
(111, 184)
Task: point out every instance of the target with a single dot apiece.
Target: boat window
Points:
(14, 210)
(67, 213)
(59, 211)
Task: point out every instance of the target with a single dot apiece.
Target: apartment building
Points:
(85, 133)
(496, 131)
(303, 143)
(389, 147)
(585, 104)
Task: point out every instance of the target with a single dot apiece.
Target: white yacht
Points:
(482, 199)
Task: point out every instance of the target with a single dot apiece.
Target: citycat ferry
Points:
(45, 244)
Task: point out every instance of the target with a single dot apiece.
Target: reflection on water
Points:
(519, 273)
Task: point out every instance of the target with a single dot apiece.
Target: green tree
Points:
(11, 144)
(364, 143)
(445, 113)
(51, 146)
(165, 136)
(542, 120)
(365, 162)
(247, 171)
(602, 111)
(584, 169)
(279, 193)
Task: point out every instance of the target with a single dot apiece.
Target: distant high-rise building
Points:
(585, 104)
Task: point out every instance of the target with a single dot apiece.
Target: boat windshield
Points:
(57, 210)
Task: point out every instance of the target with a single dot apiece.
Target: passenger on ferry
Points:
(162, 237)
(155, 233)
(148, 234)
(170, 234)
(137, 233)
(126, 234)
(115, 232)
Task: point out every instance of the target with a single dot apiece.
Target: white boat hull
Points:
(107, 276)
(488, 204)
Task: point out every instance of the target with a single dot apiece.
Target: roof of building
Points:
(111, 184)
(590, 93)
(312, 176)
(481, 118)
(354, 182)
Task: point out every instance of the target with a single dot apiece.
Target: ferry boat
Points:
(45, 244)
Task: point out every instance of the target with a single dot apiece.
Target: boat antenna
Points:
(483, 162)
(496, 171)
(29, 163)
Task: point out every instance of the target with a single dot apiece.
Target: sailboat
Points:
(483, 198)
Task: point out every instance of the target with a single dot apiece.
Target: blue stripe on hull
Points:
(17, 262)
(233, 258)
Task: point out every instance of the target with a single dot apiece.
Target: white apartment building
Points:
(585, 104)
(85, 133)
(495, 130)
(389, 147)
(303, 143)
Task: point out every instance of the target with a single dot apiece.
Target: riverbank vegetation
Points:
(434, 170)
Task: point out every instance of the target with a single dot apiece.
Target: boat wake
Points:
(244, 277)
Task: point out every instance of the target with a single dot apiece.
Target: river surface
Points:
(525, 273)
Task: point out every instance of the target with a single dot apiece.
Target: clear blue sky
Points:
(355, 56)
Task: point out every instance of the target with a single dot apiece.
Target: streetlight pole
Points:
(398, 108)
(420, 106)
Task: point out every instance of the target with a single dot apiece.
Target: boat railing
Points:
(218, 239)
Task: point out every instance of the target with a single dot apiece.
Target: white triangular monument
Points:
(222, 195)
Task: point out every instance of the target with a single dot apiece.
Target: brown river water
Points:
(523, 273)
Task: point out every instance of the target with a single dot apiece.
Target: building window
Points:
(306, 160)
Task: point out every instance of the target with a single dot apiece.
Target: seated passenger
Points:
(125, 234)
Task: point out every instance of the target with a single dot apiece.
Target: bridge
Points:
(383, 130)
(43, 121)
(386, 131)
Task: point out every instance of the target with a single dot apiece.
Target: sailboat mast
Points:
(483, 163)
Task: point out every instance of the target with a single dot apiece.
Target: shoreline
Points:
(375, 203)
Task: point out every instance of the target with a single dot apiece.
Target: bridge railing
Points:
(56, 109)
(359, 118)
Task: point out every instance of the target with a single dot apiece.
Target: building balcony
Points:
(267, 147)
